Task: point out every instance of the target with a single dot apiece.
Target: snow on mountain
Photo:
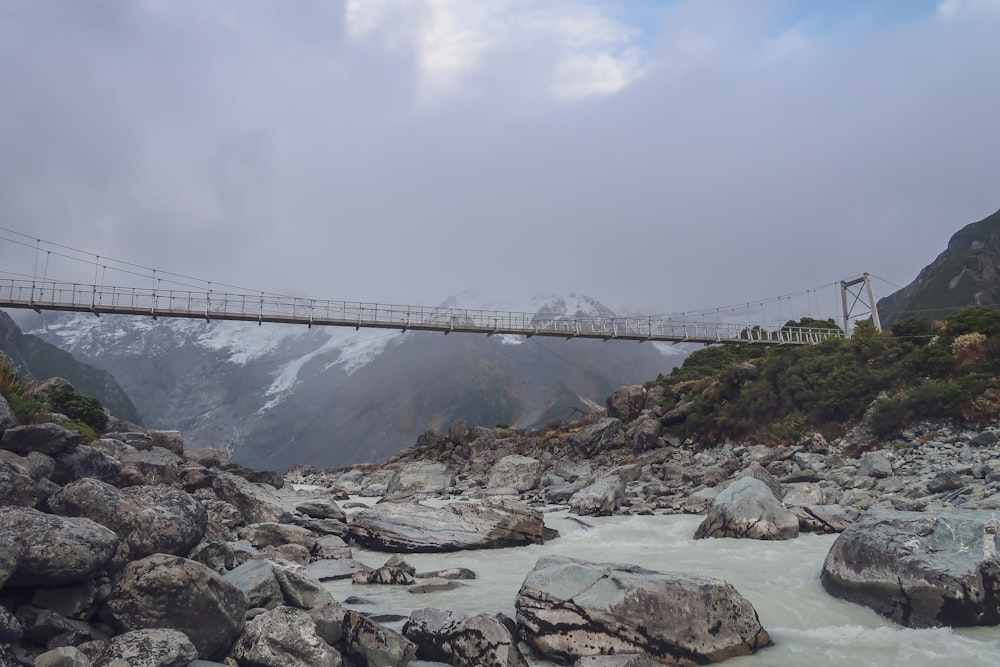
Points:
(275, 394)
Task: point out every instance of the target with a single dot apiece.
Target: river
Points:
(781, 579)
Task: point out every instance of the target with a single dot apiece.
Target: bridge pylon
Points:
(860, 294)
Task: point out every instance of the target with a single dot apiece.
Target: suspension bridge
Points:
(202, 300)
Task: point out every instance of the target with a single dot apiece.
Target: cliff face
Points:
(40, 359)
(967, 273)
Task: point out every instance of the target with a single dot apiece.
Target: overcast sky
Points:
(660, 155)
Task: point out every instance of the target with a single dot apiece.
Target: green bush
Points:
(821, 387)
(77, 407)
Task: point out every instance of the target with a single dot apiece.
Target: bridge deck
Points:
(212, 305)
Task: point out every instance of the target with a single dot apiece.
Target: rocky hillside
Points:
(273, 396)
(967, 273)
(35, 357)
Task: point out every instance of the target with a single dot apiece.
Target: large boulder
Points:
(50, 439)
(21, 490)
(173, 592)
(568, 608)
(601, 498)
(150, 647)
(412, 528)
(375, 645)
(920, 569)
(464, 641)
(626, 403)
(875, 464)
(54, 550)
(256, 504)
(284, 637)
(149, 519)
(421, 476)
(521, 473)
(84, 461)
(748, 508)
(598, 437)
(257, 580)
(7, 417)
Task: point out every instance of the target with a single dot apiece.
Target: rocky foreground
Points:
(129, 550)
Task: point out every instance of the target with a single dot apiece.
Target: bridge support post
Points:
(857, 297)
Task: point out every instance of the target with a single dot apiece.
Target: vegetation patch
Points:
(919, 370)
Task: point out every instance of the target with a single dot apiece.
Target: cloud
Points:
(662, 156)
(584, 50)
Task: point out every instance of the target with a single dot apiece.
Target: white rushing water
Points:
(781, 579)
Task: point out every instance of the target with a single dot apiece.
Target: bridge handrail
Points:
(268, 307)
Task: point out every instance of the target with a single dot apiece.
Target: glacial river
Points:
(781, 579)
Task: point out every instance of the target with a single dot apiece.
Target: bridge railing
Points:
(272, 308)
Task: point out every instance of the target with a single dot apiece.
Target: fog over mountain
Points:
(277, 395)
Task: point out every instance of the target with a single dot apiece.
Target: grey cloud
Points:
(250, 144)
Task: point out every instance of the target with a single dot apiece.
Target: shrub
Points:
(77, 407)
(968, 348)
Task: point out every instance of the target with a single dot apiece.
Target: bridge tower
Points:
(860, 294)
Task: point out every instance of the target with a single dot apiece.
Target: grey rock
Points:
(521, 473)
(340, 568)
(21, 490)
(284, 637)
(274, 534)
(50, 439)
(823, 519)
(945, 481)
(571, 469)
(7, 418)
(422, 476)
(10, 628)
(626, 403)
(255, 503)
(434, 585)
(257, 580)
(55, 550)
(168, 591)
(76, 601)
(172, 441)
(329, 620)
(330, 547)
(149, 647)
(210, 458)
(148, 519)
(875, 464)
(385, 575)
(601, 498)
(463, 641)
(568, 608)
(747, 508)
(645, 434)
(919, 569)
(156, 465)
(299, 587)
(757, 471)
(322, 509)
(627, 660)
(598, 437)
(985, 438)
(410, 527)
(84, 461)
(41, 627)
(375, 645)
(64, 656)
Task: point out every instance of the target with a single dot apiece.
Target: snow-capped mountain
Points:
(277, 395)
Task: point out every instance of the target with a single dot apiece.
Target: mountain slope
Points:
(42, 360)
(967, 273)
(275, 396)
